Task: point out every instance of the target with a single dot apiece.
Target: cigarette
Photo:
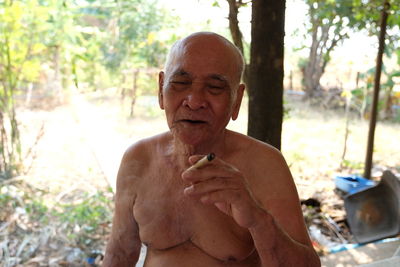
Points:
(203, 161)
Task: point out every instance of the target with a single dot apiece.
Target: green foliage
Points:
(361, 98)
(37, 210)
(338, 16)
(286, 110)
(80, 221)
(20, 46)
(52, 45)
(18, 199)
(133, 28)
(353, 165)
(356, 14)
(88, 213)
(368, 13)
(331, 22)
(80, 39)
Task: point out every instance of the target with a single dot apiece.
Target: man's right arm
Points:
(123, 247)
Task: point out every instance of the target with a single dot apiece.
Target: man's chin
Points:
(194, 125)
(192, 137)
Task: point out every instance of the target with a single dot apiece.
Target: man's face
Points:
(200, 92)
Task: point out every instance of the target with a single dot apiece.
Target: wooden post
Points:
(374, 110)
(134, 89)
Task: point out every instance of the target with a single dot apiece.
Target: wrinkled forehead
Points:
(206, 50)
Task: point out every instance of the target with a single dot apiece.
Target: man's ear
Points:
(238, 101)
(160, 89)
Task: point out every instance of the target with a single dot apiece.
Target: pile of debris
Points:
(34, 234)
(326, 223)
(359, 212)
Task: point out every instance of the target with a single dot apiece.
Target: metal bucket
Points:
(374, 213)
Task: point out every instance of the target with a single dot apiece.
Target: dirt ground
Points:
(81, 143)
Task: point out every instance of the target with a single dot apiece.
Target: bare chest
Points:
(167, 218)
(161, 211)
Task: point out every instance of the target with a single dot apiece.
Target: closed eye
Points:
(180, 82)
(180, 85)
(215, 90)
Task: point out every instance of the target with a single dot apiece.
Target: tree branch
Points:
(237, 36)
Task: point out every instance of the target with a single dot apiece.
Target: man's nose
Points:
(196, 98)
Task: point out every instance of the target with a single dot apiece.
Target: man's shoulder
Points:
(256, 156)
(265, 167)
(140, 156)
(248, 144)
(145, 148)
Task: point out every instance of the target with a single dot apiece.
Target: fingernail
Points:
(188, 189)
(186, 174)
(204, 198)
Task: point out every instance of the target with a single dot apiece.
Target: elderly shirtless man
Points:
(239, 209)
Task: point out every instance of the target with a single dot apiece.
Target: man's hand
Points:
(223, 185)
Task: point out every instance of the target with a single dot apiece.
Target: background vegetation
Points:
(93, 60)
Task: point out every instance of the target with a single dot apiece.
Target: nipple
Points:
(232, 259)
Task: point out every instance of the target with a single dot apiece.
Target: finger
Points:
(212, 170)
(214, 184)
(195, 158)
(229, 196)
(235, 203)
(204, 160)
(224, 207)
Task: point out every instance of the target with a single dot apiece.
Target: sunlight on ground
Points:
(89, 136)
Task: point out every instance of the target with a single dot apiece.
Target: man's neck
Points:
(182, 151)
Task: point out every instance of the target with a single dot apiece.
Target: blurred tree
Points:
(60, 37)
(121, 36)
(20, 49)
(331, 22)
(134, 25)
(52, 43)
(361, 97)
(368, 13)
(236, 33)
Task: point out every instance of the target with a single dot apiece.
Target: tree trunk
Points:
(236, 34)
(325, 37)
(374, 111)
(56, 83)
(134, 91)
(234, 24)
(318, 58)
(266, 71)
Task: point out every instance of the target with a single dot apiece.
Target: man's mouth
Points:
(193, 121)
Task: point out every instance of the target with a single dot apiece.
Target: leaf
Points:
(395, 74)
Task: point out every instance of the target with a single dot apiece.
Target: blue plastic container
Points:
(352, 184)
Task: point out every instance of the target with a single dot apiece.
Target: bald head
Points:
(206, 41)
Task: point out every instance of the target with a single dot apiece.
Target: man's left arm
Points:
(279, 233)
(277, 248)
